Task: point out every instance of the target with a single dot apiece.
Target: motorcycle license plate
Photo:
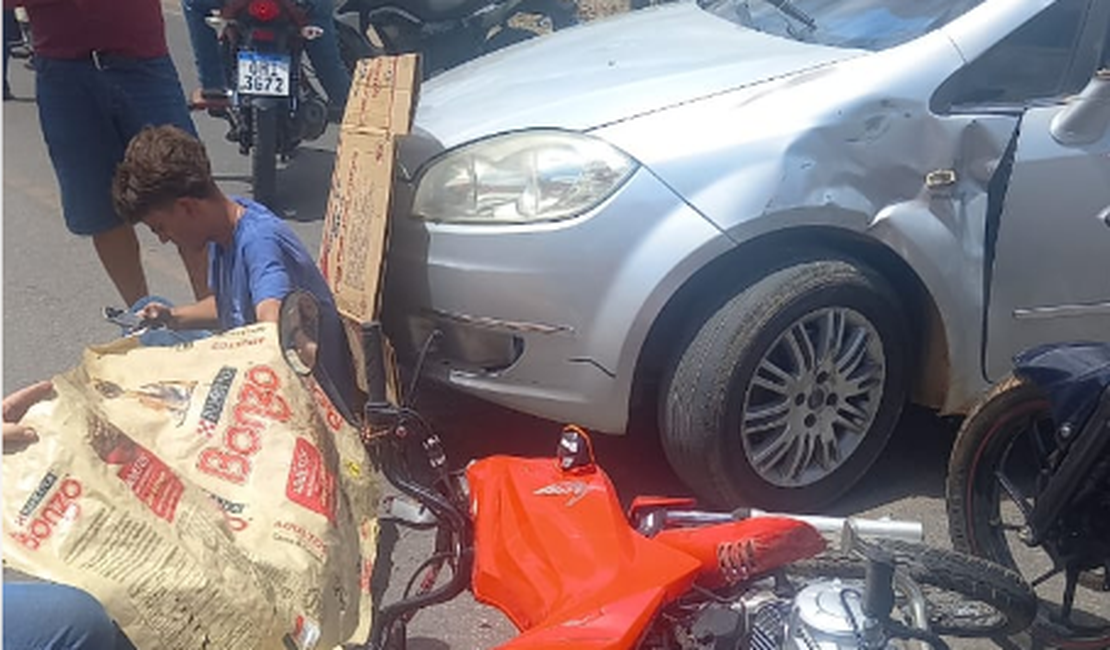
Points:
(263, 74)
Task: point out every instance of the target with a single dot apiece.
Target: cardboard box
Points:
(352, 249)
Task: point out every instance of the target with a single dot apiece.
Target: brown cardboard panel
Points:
(356, 226)
(352, 249)
(387, 81)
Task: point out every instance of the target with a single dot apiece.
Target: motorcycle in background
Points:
(1029, 486)
(274, 102)
(546, 541)
(449, 32)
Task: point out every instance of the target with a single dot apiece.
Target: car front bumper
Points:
(546, 318)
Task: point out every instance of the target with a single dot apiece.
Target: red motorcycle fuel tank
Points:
(554, 552)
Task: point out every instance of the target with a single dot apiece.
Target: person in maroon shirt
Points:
(102, 73)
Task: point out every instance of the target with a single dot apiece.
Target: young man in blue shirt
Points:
(255, 259)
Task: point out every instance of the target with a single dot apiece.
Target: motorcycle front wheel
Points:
(264, 155)
(965, 596)
(1001, 458)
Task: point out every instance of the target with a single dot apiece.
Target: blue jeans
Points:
(323, 51)
(49, 616)
(89, 111)
(163, 337)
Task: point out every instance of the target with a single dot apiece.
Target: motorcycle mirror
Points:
(299, 331)
(575, 452)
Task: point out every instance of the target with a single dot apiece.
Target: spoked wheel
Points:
(965, 596)
(1001, 459)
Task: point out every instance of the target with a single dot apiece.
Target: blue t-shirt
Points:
(266, 260)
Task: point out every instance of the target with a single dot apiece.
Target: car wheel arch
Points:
(702, 293)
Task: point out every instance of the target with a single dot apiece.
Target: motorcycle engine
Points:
(825, 615)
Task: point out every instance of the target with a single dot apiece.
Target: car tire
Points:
(750, 411)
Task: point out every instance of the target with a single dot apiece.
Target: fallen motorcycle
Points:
(545, 540)
(274, 102)
(1029, 486)
(447, 33)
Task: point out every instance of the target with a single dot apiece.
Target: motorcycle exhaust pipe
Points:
(885, 528)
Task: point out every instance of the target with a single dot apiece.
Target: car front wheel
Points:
(788, 393)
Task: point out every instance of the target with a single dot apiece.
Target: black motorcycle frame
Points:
(1087, 447)
(300, 114)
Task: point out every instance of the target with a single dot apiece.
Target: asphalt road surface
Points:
(54, 291)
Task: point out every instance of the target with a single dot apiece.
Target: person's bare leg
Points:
(196, 264)
(118, 249)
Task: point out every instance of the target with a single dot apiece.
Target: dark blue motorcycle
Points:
(1029, 487)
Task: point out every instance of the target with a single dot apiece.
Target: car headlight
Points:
(521, 177)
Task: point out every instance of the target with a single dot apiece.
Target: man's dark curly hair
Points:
(162, 164)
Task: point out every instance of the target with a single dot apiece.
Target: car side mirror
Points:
(1086, 117)
(299, 331)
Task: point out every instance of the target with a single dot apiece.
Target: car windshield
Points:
(859, 24)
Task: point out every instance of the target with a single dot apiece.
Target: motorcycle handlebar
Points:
(447, 516)
(910, 531)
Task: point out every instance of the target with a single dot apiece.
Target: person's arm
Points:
(267, 311)
(270, 280)
(199, 315)
(17, 436)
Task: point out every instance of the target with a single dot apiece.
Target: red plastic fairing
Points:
(556, 554)
(738, 550)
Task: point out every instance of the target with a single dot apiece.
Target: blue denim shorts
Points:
(49, 615)
(89, 110)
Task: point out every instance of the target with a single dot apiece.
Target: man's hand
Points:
(17, 436)
(199, 315)
(156, 312)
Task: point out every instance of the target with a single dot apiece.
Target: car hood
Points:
(604, 72)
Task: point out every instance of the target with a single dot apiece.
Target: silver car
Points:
(763, 226)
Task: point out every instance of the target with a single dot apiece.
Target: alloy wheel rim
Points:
(813, 397)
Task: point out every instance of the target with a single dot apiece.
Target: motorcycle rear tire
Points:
(973, 498)
(264, 155)
(950, 581)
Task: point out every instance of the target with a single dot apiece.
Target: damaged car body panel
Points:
(908, 173)
(861, 164)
